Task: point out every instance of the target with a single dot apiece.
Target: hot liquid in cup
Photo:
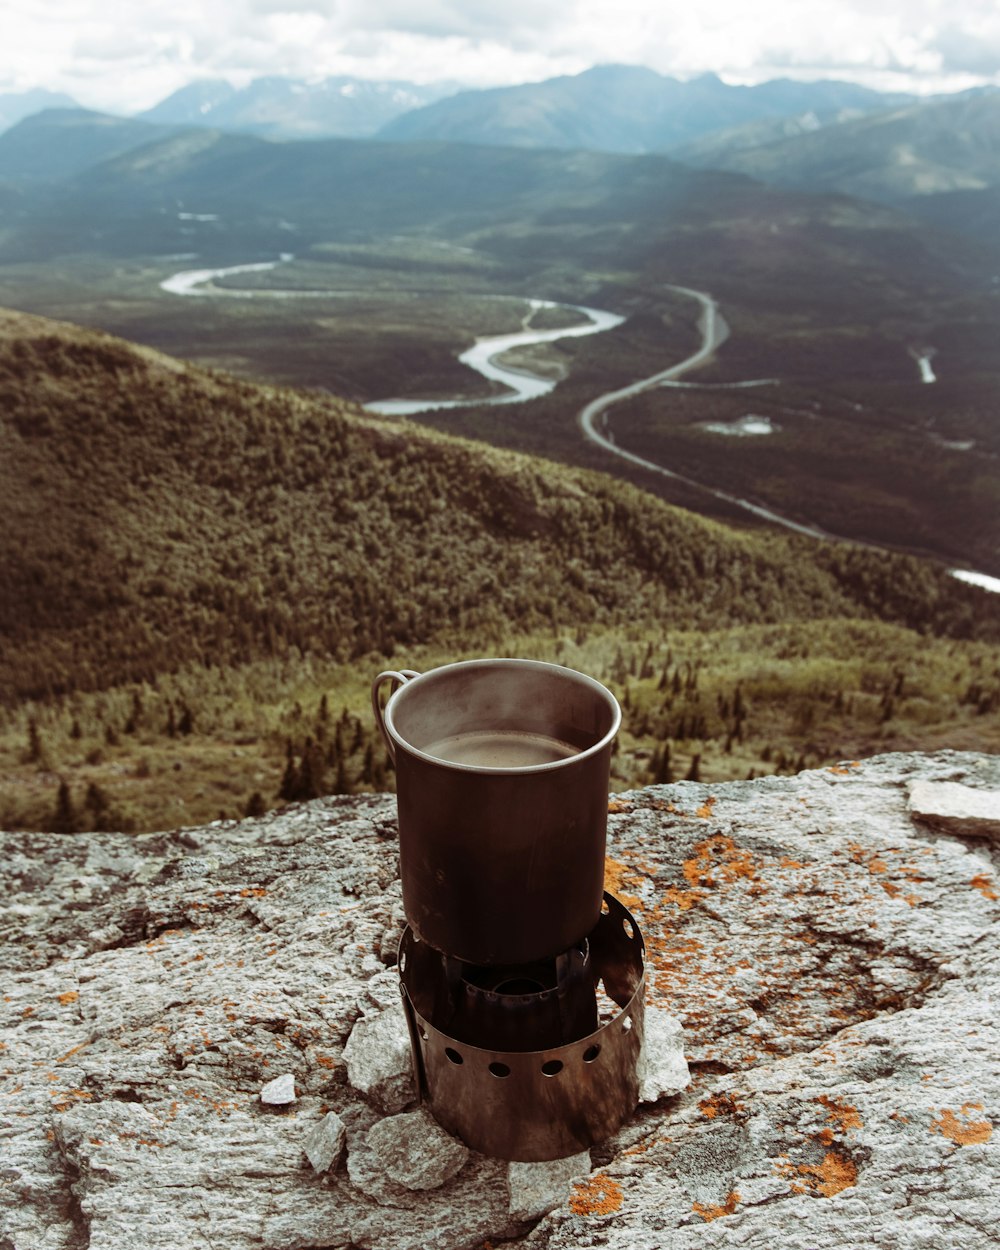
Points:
(497, 748)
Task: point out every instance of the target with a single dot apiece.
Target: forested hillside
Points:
(162, 522)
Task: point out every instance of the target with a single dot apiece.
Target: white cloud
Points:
(120, 54)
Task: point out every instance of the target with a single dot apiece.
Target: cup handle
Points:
(398, 678)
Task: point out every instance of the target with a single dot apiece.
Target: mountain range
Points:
(613, 108)
(922, 149)
(622, 108)
(817, 137)
(287, 108)
(16, 105)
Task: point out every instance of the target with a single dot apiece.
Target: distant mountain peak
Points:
(279, 107)
(16, 105)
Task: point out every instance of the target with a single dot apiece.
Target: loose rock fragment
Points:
(956, 809)
(538, 1188)
(378, 1061)
(325, 1144)
(279, 1092)
(662, 1068)
(415, 1150)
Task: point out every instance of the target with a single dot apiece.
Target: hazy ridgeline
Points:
(200, 575)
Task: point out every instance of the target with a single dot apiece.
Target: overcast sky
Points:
(124, 55)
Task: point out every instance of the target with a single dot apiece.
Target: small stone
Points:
(279, 1092)
(378, 1059)
(538, 1188)
(662, 1068)
(956, 809)
(383, 990)
(324, 1146)
(415, 1151)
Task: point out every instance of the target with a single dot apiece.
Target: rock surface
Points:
(957, 809)
(415, 1152)
(280, 1092)
(833, 963)
(324, 1146)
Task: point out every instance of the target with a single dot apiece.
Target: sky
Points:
(126, 55)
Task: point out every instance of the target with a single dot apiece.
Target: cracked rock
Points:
(957, 809)
(324, 1146)
(415, 1151)
(662, 1068)
(537, 1188)
(378, 1060)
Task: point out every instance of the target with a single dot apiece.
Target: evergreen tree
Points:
(96, 804)
(64, 816)
(255, 805)
(35, 748)
(290, 778)
(310, 777)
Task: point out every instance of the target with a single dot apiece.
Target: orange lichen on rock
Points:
(705, 811)
(984, 885)
(713, 1213)
(718, 860)
(253, 892)
(69, 997)
(964, 1131)
(71, 1052)
(720, 1104)
(598, 1195)
(684, 899)
(615, 806)
(837, 1172)
(616, 877)
(841, 1113)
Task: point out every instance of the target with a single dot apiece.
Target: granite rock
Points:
(536, 1188)
(324, 1147)
(663, 1070)
(957, 809)
(378, 1060)
(415, 1152)
(280, 1092)
(832, 960)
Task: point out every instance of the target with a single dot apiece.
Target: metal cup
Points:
(502, 770)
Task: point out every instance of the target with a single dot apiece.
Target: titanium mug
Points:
(502, 771)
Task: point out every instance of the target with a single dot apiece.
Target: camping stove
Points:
(522, 981)
(529, 1061)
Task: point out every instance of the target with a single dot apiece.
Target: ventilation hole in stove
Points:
(591, 1053)
(552, 1067)
(453, 1055)
(499, 1069)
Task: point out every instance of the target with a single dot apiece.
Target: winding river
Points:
(484, 356)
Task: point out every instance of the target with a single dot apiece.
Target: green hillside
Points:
(400, 251)
(198, 577)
